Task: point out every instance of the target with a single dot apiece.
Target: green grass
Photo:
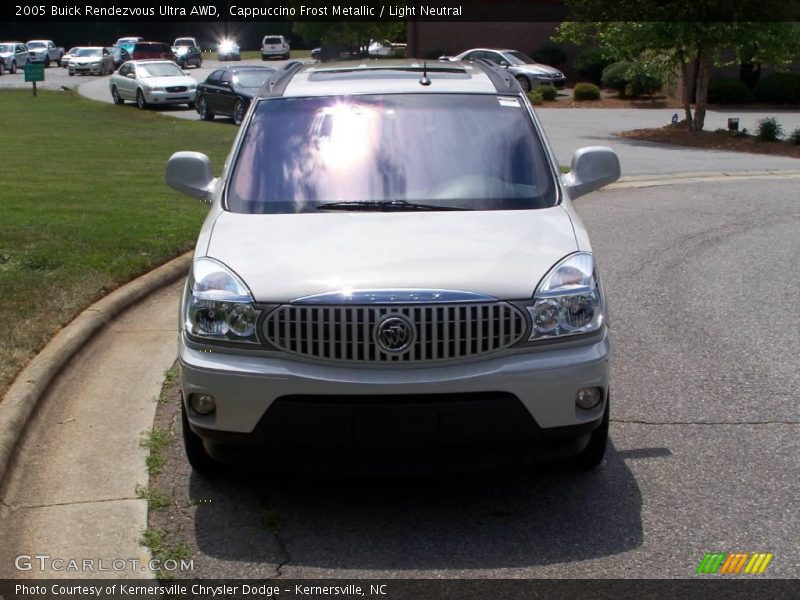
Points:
(155, 498)
(154, 539)
(156, 442)
(295, 54)
(85, 208)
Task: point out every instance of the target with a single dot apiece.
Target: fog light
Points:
(202, 404)
(588, 398)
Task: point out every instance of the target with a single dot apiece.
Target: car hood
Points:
(83, 60)
(536, 69)
(285, 257)
(169, 81)
(6, 54)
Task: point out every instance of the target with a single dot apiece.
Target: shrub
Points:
(549, 93)
(794, 137)
(549, 54)
(536, 96)
(779, 88)
(727, 90)
(590, 64)
(586, 91)
(769, 130)
(644, 82)
(616, 76)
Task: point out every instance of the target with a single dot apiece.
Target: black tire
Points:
(46, 62)
(13, 68)
(239, 111)
(190, 105)
(71, 73)
(263, 57)
(196, 453)
(202, 109)
(2, 67)
(524, 83)
(115, 95)
(140, 101)
(591, 456)
(287, 56)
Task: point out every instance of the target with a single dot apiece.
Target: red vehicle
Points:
(146, 50)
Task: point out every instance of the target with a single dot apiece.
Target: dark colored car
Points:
(148, 50)
(228, 91)
(120, 55)
(187, 53)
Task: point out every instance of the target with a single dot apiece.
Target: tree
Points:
(689, 47)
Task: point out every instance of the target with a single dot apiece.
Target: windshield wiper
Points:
(384, 206)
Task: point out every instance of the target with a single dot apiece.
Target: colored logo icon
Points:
(724, 563)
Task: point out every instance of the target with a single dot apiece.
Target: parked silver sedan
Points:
(152, 82)
(91, 60)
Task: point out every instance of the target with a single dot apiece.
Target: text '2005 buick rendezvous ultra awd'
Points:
(392, 274)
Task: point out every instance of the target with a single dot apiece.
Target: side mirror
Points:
(130, 75)
(190, 173)
(592, 168)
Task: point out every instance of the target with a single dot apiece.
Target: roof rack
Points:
(277, 84)
(501, 78)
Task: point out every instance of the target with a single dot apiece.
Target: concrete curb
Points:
(17, 406)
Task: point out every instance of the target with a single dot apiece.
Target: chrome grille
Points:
(345, 333)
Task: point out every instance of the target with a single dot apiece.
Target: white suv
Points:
(392, 272)
(273, 46)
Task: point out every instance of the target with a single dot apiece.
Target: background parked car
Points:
(275, 46)
(228, 50)
(229, 91)
(127, 43)
(155, 82)
(386, 48)
(120, 55)
(527, 71)
(67, 55)
(151, 51)
(44, 51)
(14, 55)
(91, 60)
(187, 52)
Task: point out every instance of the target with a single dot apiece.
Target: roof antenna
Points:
(425, 81)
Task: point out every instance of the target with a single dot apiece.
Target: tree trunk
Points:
(688, 77)
(704, 72)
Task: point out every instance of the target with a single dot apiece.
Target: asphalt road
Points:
(702, 281)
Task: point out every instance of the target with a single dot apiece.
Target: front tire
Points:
(140, 101)
(591, 456)
(13, 67)
(239, 111)
(524, 83)
(196, 453)
(115, 95)
(202, 109)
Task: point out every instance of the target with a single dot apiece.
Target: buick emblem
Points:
(394, 334)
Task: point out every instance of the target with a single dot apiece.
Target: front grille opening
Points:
(347, 333)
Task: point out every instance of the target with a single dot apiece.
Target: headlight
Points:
(156, 89)
(217, 305)
(228, 46)
(568, 301)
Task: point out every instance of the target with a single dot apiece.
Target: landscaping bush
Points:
(769, 130)
(778, 88)
(616, 76)
(794, 137)
(727, 90)
(586, 91)
(644, 82)
(536, 96)
(590, 64)
(549, 93)
(549, 54)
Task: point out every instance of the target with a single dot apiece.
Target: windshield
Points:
(88, 52)
(36, 45)
(158, 70)
(184, 42)
(252, 79)
(478, 152)
(518, 58)
(6, 47)
(272, 40)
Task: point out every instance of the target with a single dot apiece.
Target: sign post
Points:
(34, 72)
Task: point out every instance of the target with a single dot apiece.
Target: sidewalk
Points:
(70, 492)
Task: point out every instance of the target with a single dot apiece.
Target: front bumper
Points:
(93, 69)
(170, 97)
(525, 399)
